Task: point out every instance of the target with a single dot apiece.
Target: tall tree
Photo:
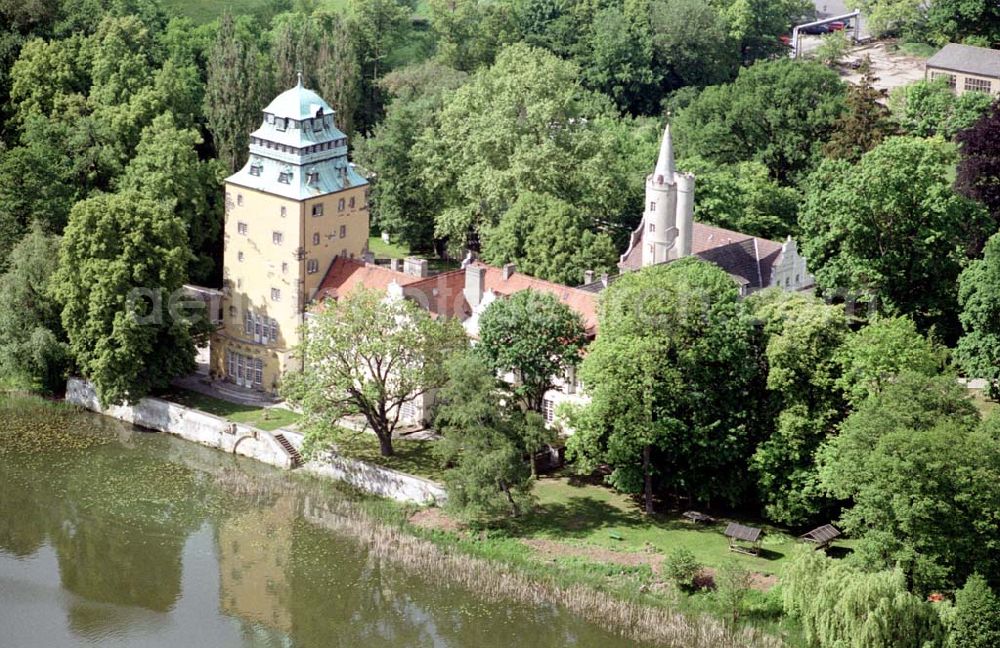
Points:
(758, 24)
(692, 45)
(123, 261)
(368, 355)
(402, 205)
(338, 72)
(548, 238)
(523, 124)
(235, 92)
(672, 359)
(617, 59)
(490, 476)
(166, 165)
(380, 26)
(743, 197)
(33, 349)
(295, 42)
(978, 350)
(779, 113)
(882, 350)
(891, 230)
(865, 122)
(535, 337)
(926, 108)
(978, 175)
(801, 337)
(923, 480)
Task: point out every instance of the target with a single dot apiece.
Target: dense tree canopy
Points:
(664, 375)
(926, 108)
(122, 264)
(779, 113)
(890, 230)
(978, 173)
(923, 476)
(978, 350)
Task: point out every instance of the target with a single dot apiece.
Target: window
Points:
(318, 124)
(652, 206)
(239, 199)
(796, 280)
(284, 267)
(280, 123)
(248, 323)
(312, 266)
(343, 231)
(788, 281)
(977, 85)
(340, 205)
(548, 409)
(285, 177)
(277, 238)
(350, 203)
(258, 371)
(316, 238)
(284, 211)
(275, 294)
(241, 228)
(232, 311)
(255, 167)
(239, 282)
(317, 209)
(272, 333)
(944, 75)
(312, 178)
(652, 227)
(239, 256)
(257, 328)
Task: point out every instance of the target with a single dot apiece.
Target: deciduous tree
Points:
(367, 355)
(490, 477)
(978, 175)
(535, 337)
(123, 260)
(978, 350)
(891, 229)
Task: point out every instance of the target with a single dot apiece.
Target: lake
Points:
(112, 536)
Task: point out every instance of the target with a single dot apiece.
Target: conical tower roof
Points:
(664, 171)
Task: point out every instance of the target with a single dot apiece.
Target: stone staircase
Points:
(289, 448)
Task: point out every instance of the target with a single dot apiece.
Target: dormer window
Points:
(285, 177)
(318, 124)
(280, 123)
(256, 167)
(312, 178)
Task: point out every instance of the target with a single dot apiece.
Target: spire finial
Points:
(299, 74)
(665, 162)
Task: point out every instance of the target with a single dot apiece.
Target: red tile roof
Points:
(346, 274)
(444, 294)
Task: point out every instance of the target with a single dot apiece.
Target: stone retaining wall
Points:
(193, 425)
(378, 480)
(213, 431)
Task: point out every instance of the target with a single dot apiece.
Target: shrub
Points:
(682, 568)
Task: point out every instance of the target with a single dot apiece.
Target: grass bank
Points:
(264, 418)
(414, 457)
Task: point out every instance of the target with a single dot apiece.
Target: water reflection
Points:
(144, 540)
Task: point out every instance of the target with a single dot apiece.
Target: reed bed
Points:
(497, 582)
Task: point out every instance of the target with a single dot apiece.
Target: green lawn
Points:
(412, 457)
(258, 417)
(585, 513)
(383, 250)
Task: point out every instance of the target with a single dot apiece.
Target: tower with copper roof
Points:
(296, 205)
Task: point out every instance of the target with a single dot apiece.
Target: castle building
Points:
(668, 232)
(296, 205)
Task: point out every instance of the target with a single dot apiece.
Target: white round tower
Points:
(685, 214)
(660, 217)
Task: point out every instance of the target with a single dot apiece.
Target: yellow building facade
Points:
(296, 205)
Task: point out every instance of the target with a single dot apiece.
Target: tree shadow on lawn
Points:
(581, 516)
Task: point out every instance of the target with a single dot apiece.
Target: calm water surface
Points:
(110, 536)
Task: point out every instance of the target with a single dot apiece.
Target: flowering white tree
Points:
(367, 355)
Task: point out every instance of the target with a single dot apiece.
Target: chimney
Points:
(588, 277)
(475, 284)
(368, 257)
(415, 267)
(507, 271)
(605, 280)
(396, 265)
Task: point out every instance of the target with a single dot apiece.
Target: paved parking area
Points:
(893, 69)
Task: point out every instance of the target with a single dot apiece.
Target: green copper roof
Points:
(298, 103)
